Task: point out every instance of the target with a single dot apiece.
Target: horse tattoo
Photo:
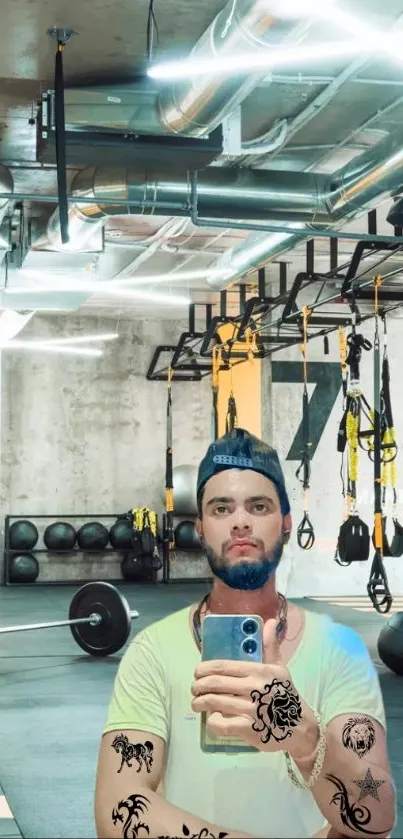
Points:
(142, 752)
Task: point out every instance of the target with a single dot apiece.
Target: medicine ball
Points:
(120, 534)
(23, 535)
(24, 568)
(60, 536)
(92, 536)
(390, 643)
(187, 537)
(185, 490)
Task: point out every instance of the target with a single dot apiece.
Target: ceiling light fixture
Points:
(78, 339)
(270, 59)
(140, 279)
(35, 346)
(109, 290)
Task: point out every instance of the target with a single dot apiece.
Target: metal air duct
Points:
(239, 194)
(359, 186)
(195, 106)
(6, 185)
(222, 193)
(199, 105)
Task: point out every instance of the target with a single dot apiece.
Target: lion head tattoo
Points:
(359, 735)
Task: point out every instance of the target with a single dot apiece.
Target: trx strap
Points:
(216, 364)
(377, 587)
(389, 447)
(145, 538)
(169, 484)
(231, 420)
(305, 532)
(353, 544)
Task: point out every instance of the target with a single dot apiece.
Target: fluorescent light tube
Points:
(270, 58)
(37, 347)
(79, 339)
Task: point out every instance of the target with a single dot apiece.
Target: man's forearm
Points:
(146, 813)
(357, 797)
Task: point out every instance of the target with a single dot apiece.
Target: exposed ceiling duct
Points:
(198, 105)
(240, 194)
(6, 185)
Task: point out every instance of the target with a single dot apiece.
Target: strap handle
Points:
(378, 586)
(305, 533)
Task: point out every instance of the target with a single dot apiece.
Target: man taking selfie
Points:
(309, 713)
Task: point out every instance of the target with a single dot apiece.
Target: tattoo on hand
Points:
(278, 710)
(135, 806)
(359, 735)
(142, 752)
(354, 816)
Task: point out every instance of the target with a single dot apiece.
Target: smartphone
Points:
(234, 638)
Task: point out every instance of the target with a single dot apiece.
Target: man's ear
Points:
(287, 527)
(199, 528)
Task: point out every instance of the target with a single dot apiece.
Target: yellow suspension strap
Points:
(378, 588)
(305, 532)
(343, 358)
(169, 484)
(355, 404)
(216, 365)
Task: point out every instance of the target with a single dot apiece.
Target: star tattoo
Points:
(368, 786)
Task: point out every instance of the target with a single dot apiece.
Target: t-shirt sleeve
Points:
(140, 695)
(352, 683)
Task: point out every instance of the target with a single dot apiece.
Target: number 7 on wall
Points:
(327, 377)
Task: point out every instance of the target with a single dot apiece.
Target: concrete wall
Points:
(314, 572)
(88, 436)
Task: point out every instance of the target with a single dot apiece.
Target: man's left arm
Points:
(355, 790)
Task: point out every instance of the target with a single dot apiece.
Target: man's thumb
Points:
(271, 645)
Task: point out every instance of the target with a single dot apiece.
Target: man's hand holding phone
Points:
(257, 703)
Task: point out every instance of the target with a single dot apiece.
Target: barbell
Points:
(99, 619)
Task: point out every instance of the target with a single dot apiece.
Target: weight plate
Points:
(109, 636)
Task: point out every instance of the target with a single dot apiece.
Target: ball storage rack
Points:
(71, 519)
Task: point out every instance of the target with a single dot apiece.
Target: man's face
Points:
(242, 528)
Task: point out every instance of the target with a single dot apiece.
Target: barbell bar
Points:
(99, 618)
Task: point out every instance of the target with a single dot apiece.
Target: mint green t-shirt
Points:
(250, 792)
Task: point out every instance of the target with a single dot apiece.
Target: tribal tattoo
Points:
(129, 812)
(141, 752)
(278, 710)
(353, 815)
(359, 735)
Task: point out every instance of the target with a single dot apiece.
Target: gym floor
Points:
(53, 700)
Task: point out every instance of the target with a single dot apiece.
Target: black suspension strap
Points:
(390, 450)
(305, 532)
(169, 484)
(378, 588)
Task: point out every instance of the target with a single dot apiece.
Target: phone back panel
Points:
(224, 637)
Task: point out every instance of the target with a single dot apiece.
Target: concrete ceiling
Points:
(110, 47)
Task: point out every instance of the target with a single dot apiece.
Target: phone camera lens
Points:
(249, 646)
(249, 627)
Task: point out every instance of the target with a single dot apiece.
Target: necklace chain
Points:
(281, 628)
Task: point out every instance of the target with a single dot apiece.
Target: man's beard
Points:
(245, 575)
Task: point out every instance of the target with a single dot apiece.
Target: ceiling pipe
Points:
(240, 195)
(197, 106)
(6, 185)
